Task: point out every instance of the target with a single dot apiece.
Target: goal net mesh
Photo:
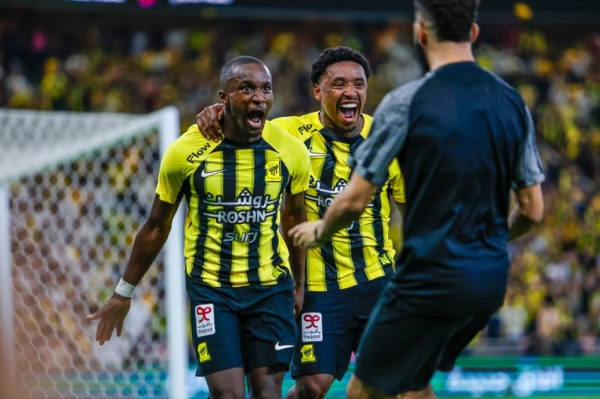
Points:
(80, 186)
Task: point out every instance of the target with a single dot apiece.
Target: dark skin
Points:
(247, 99)
(342, 85)
(342, 93)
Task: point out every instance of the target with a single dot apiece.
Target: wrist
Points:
(319, 233)
(124, 289)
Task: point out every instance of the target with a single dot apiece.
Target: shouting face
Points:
(248, 98)
(342, 91)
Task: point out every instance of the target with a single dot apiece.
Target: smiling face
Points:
(248, 98)
(342, 90)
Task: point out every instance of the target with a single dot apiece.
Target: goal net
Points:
(74, 190)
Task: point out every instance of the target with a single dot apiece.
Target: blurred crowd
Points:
(553, 301)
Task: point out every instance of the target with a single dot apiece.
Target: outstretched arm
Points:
(148, 243)
(346, 208)
(293, 213)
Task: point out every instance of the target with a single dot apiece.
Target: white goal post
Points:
(74, 190)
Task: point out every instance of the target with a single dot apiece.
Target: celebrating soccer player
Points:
(346, 274)
(237, 264)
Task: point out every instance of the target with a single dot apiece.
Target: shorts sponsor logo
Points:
(312, 327)
(205, 320)
(307, 354)
(203, 354)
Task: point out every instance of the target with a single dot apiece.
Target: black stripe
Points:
(185, 191)
(327, 173)
(331, 274)
(378, 223)
(357, 254)
(285, 182)
(258, 190)
(326, 179)
(230, 194)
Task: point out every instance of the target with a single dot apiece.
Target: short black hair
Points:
(333, 55)
(227, 70)
(451, 19)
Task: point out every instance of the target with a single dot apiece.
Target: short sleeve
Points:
(396, 183)
(388, 134)
(301, 172)
(529, 170)
(170, 176)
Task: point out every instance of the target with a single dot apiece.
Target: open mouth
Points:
(349, 111)
(256, 119)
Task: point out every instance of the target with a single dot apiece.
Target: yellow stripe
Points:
(342, 254)
(214, 233)
(373, 267)
(244, 180)
(315, 270)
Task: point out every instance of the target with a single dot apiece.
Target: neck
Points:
(326, 122)
(234, 132)
(444, 53)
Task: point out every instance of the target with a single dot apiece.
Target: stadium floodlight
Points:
(74, 190)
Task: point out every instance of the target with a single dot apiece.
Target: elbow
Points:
(535, 214)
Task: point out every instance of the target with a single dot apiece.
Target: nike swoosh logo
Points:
(280, 347)
(316, 154)
(206, 174)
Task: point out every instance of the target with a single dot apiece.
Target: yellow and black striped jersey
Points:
(234, 192)
(363, 251)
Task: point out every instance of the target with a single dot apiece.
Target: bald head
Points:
(228, 70)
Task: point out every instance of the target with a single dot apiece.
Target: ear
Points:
(317, 92)
(224, 98)
(474, 32)
(420, 33)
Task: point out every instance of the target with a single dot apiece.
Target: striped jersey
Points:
(234, 192)
(363, 251)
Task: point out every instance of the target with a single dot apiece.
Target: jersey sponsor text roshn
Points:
(234, 192)
(358, 253)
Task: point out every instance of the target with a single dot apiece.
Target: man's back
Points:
(463, 142)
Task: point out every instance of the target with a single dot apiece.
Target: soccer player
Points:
(345, 276)
(237, 264)
(464, 139)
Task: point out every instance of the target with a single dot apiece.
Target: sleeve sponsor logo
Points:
(197, 154)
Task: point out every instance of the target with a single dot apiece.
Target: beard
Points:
(419, 54)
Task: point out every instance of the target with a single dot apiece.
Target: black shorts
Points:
(400, 350)
(247, 327)
(330, 328)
